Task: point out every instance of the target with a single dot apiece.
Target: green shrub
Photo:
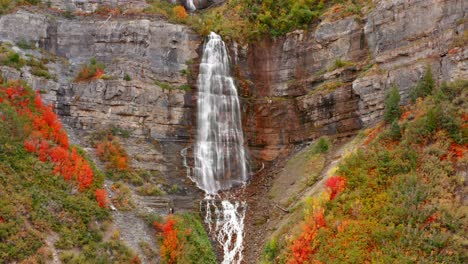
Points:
(197, 248)
(340, 64)
(150, 190)
(424, 86)
(270, 251)
(13, 59)
(127, 77)
(38, 68)
(321, 146)
(395, 130)
(392, 106)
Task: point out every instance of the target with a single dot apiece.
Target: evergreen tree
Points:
(395, 130)
(424, 86)
(392, 105)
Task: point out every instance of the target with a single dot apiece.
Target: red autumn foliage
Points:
(30, 145)
(465, 117)
(336, 184)
(101, 197)
(99, 73)
(135, 260)
(111, 152)
(47, 139)
(405, 115)
(302, 250)
(372, 134)
(457, 151)
(43, 150)
(171, 246)
(432, 218)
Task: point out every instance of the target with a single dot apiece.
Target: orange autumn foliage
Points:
(302, 249)
(171, 246)
(101, 198)
(457, 151)
(180, 12)
(405, 115)
(135, 260)
(111, 152)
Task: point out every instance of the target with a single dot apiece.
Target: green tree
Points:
(424, 86)
(395, 130)
(392, 105)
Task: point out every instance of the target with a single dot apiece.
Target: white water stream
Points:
(191, 6)
(220, 158)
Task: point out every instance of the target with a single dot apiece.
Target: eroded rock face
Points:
(294, 92)
(159, 121)
(89, 6)
(285, 105)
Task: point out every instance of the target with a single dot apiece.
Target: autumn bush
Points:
(122, 196)
(112, 153)
(180, 13)
(34, 202)
(47, 139)
(183, 239)
(92, 70)
(336, 185)
(101, 197)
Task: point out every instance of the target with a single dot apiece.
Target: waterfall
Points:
(220, 161)
(220, 158)
(191, 6)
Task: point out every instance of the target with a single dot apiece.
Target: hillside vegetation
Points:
(399, 198)
(50, 197)
(250, 19)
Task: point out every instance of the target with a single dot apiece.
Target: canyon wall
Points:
(331, 79)
(151, 107)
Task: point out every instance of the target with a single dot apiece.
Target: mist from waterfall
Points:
(220, 158)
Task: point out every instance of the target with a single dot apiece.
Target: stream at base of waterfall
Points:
(220, 162)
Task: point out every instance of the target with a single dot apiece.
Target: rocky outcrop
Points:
(89, 6)
(150, 52)
(333, 78)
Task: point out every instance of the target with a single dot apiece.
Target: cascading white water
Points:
(220, 161)
(228, 227)
(191, 6)
(220, 158)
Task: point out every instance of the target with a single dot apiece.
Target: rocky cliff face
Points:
(333, 78)
(158, 120)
